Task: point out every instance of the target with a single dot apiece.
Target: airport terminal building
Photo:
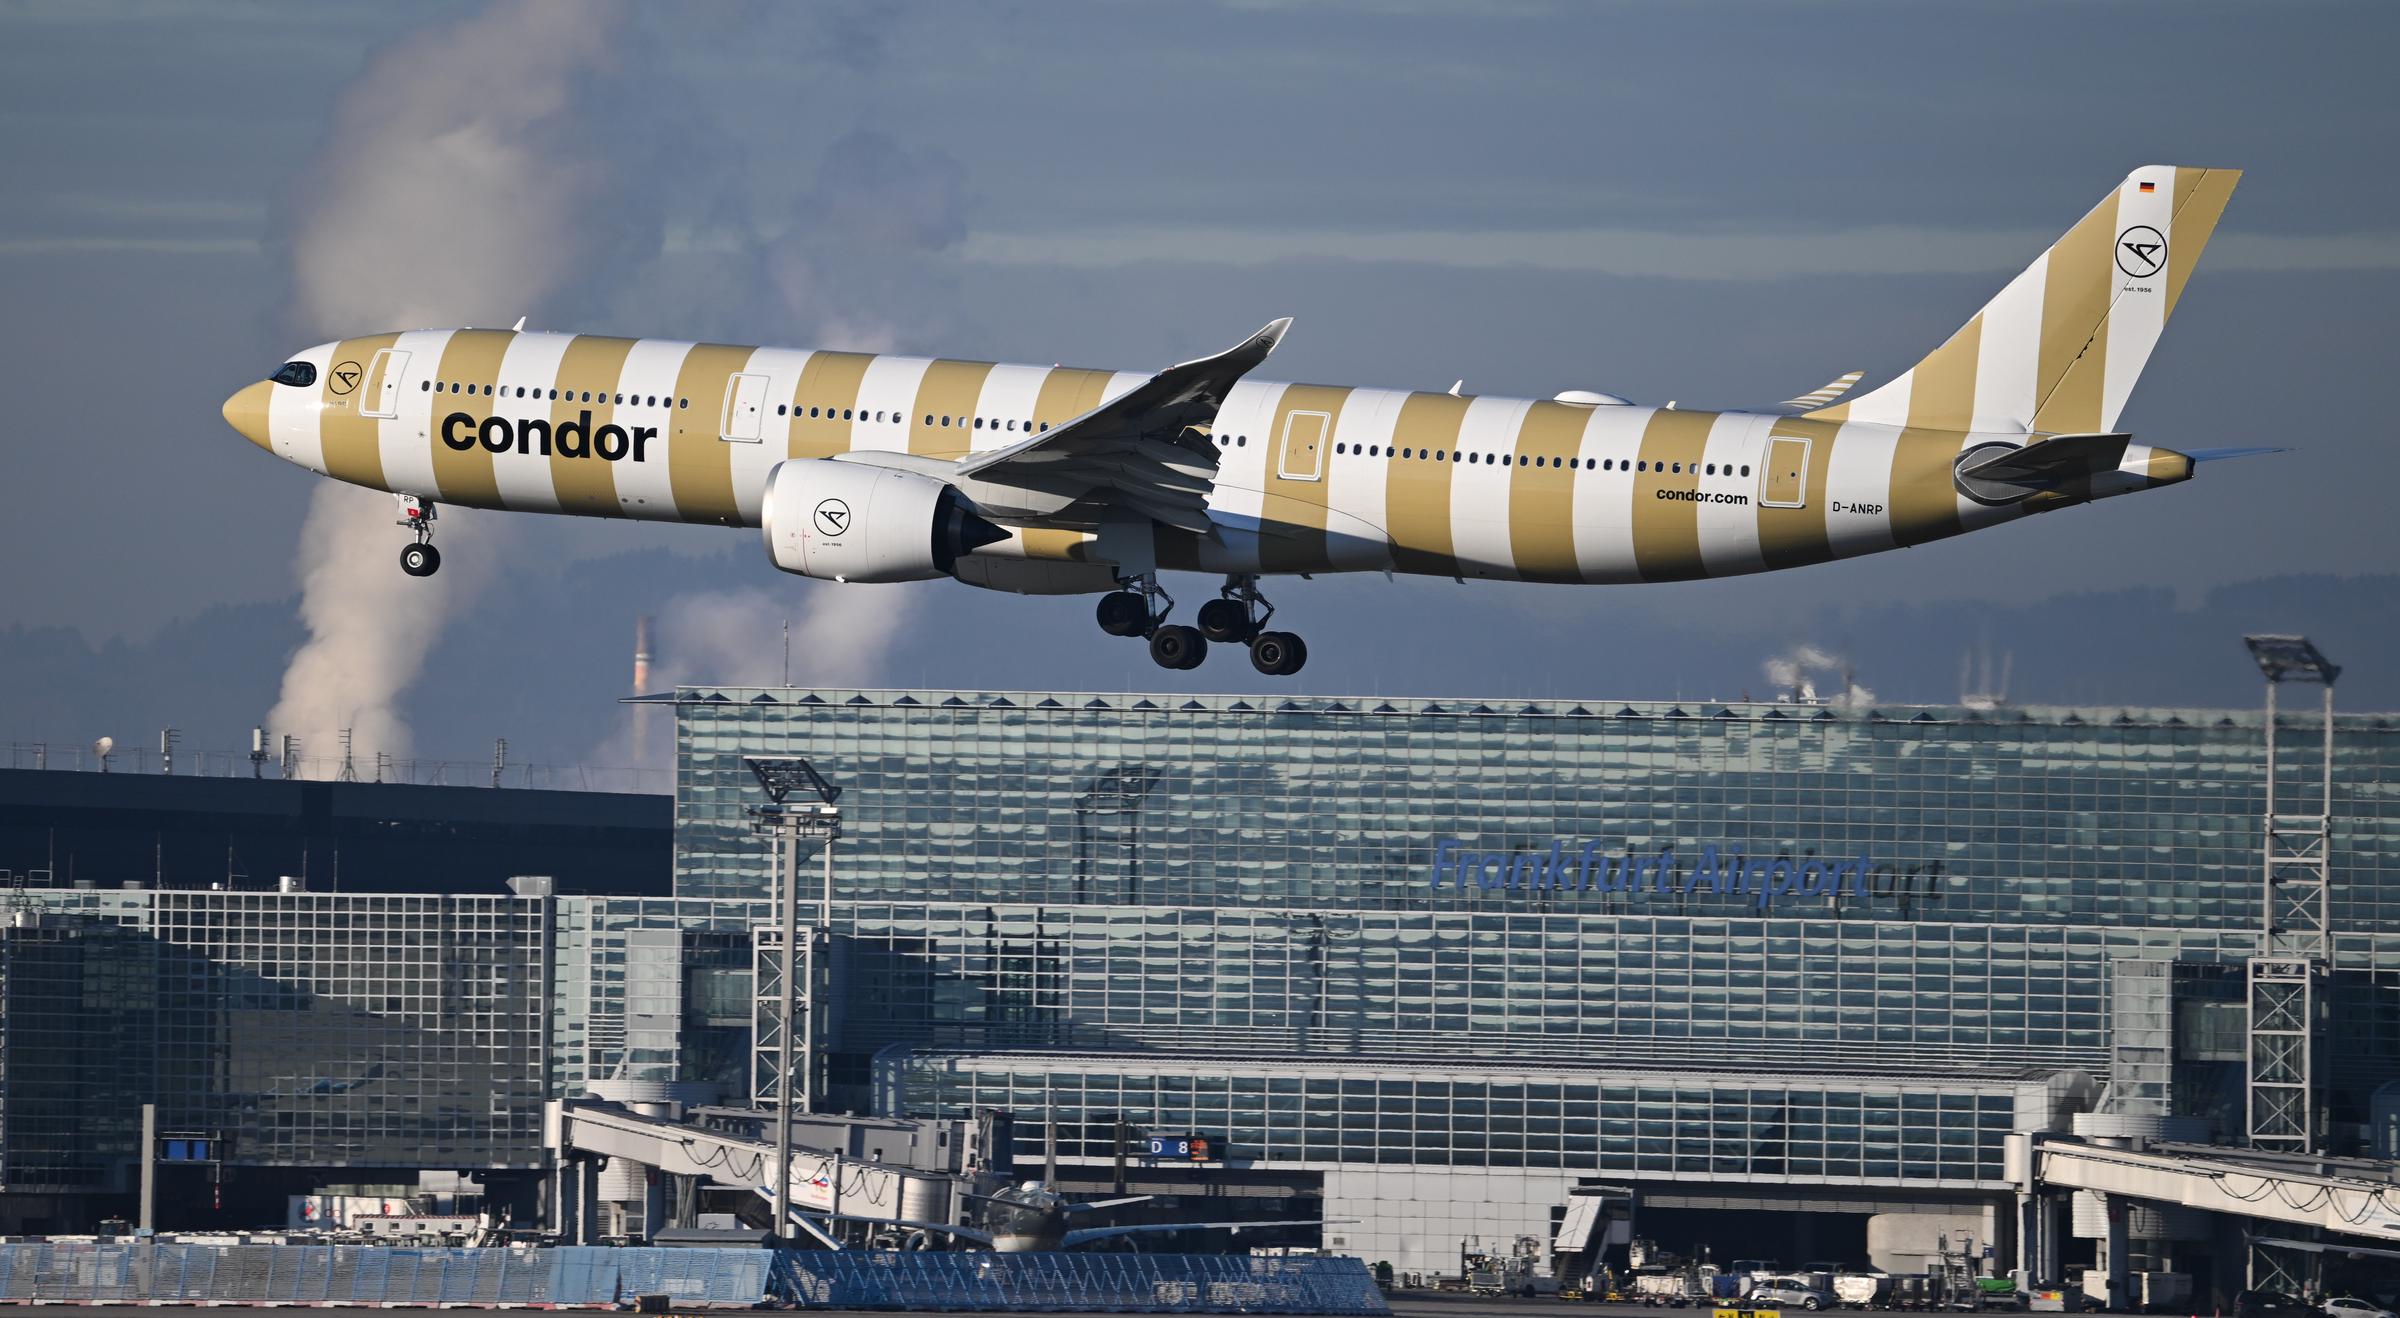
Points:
(1793, 973)
(1454, 957)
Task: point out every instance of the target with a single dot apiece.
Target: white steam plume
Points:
(1789, 675)
(453, 189)
(842, 635)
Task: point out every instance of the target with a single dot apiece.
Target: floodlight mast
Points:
(786, 822)
(2297, 933)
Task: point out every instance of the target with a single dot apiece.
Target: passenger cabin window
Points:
(299, 375)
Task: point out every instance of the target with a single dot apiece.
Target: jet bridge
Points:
(2349, 1200)
(826, 1186)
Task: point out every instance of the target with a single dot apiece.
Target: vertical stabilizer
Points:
(2058, 350)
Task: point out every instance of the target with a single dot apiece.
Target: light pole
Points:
(787, 822)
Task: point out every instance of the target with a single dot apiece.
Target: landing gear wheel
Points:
(1278, 654)
(1177, 647)
(420, 560)
(1226, 620)
(1122, 613)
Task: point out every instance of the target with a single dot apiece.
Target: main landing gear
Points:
(420, 559)
(1237, 617)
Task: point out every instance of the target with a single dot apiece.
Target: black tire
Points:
(1122, 613)
(1177, 647)
(1276, 654)
(1224, 620)
(1299, 655)
(420, 560)
(1810, 1304)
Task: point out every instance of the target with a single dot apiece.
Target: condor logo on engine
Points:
(833, 517)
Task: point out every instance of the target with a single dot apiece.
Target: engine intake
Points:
(848, 521)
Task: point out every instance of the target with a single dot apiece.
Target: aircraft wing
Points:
(1147, 452)
(1085, 1235)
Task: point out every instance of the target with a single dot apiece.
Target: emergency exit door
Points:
(745, 407)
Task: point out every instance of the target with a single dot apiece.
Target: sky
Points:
(1722, 204)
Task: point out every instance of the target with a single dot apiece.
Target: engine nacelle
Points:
(847, 521)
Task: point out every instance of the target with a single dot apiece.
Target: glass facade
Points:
(291, 1029)
(1460, 892)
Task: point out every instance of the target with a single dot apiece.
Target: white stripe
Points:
(1604, 495)
(1729, 531)
(2008, 360)
(1238, 501)
(1360, 483)
(1859, 476)
(529, 363)
(888, 385)
(1479, 490)
(2140, 310)
(750, 463)
(1009, 394)
(646, 489)
(407, 439)
(294, 419)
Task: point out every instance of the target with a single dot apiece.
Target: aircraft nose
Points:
(246, 412)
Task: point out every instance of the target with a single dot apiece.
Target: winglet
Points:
(519, 327)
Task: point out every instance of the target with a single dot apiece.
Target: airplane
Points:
(861, 467)
(1033, 1218)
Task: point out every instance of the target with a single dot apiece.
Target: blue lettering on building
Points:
(1588, 867)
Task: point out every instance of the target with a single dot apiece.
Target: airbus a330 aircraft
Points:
(1054, 480)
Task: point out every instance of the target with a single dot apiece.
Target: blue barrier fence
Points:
(367, 1274)
(592, 1275)
(1078, 1283)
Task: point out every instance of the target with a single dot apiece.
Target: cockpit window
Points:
(302, 374)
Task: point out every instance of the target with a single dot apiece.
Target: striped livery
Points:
(1307, 478)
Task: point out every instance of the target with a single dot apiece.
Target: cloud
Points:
(1746, 254)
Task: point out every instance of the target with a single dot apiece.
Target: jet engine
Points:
(847, 521)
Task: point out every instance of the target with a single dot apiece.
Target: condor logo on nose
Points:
(574, 437)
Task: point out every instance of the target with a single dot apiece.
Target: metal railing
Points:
(363, 767)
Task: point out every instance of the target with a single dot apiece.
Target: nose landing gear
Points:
(420, 559)
(1237, 617)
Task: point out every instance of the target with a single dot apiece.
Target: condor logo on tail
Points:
(574, 437)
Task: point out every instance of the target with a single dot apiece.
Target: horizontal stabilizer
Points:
(2049, 463)
(2220, 454)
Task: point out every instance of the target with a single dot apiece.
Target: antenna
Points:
(499, 758)
(258, 754)
(289, 766)
(101, 750)
(349, 773)
(787, 652)
(167, 738)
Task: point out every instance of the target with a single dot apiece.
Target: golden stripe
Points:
(1666, 532)
(1541, 498)
(2199, 200)
(1295, 509)
(1055, 546)
(472, 357)
(1066, 394)
(699, 459)
(1789, 537)
(2077, 288)
(353, 443)
(943, 422)
(587, 484)
(829, 383)
(1416, 498)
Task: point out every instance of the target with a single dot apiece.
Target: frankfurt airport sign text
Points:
(1581, 867)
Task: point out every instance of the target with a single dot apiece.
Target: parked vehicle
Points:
(2270, 1304)
(1789, 1293)
(2346, 1306)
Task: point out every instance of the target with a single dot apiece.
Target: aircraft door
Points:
(384, 375)
(1783, 482)
(745, 408)
(1303, 455)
